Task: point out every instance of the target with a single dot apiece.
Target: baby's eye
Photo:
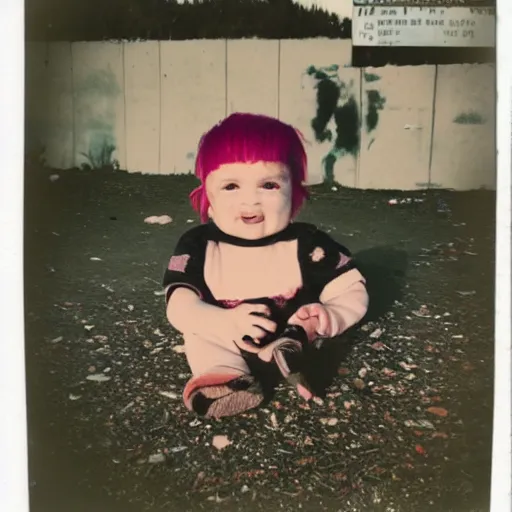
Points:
(230, 186)
(271, 185)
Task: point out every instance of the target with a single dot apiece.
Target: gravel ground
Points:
(405, 423)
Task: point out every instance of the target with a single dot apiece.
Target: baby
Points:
(249, 279)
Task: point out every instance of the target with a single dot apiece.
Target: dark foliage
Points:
(98, 20)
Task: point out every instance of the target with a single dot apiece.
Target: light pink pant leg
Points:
(211, 364)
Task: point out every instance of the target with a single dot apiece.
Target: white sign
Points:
(424, 26)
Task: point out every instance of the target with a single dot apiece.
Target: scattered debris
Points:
(98, 377)
(419, 424)
(442, 206)
(422, 312)
(330, 422)
(155, 219)
(54, 177)
(179, 349)
(221, 442)
(157, 458)
(438, 411)
(359, 384)
(217, 498)
(466, 294)
(199, 480)
(376, 334)
(407, 367)
(169, 394)
(94, 258)
(405, 200)
(318, 401)
(388, 372)
(419, 449)
(177, 449)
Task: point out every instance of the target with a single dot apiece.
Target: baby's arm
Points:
(187, 313)
(343, 299)
(185, 287)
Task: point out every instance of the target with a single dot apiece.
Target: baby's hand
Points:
(313, 318)
(247, 320)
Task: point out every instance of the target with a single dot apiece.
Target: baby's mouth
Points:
(252, 219)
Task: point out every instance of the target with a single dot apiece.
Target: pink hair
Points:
(250, 138)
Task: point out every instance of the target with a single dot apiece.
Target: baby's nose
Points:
(251, 196)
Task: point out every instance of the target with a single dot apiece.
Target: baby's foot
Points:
(228, 399)
(289, 357)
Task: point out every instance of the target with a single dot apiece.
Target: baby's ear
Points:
(210, 212)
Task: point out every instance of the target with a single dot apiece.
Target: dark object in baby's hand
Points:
(257, 313)
(262, 342)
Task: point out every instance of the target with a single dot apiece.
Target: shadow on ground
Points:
(384, 269)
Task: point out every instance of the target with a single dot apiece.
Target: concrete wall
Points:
(144, 105)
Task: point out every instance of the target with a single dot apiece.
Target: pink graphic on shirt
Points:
(317, 255)
(344, 259)
(281, 300)
(179, 263)
(230, 303)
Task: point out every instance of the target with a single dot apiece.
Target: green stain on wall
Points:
(346, 118)
(345, 113)
(470, 117)
(376, 102)
(101, 82)
(371, 77)
(97, 95)
(102, 145)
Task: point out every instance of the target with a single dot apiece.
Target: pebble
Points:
(169, 394)
(156, 458)
(98, 377)
(376, 334)
(331, 422)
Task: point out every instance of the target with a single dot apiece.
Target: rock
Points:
(377, 333)
(169, 394)
(156, 458)
(221, 442)
(98, 377)
(155, 219)
(359, 384)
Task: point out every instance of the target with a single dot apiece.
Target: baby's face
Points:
(250, 201)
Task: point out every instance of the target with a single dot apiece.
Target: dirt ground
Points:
(406, 418)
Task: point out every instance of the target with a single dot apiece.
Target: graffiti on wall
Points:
(338, 118)
(96, 97)
(470, 117)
